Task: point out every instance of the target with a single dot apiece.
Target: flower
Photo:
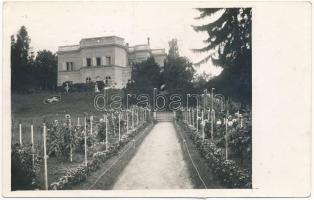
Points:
(218, 122)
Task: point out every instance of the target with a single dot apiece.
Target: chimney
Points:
(148, 41)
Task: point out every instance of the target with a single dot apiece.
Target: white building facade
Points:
(107, 59)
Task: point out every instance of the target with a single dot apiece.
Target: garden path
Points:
(158, 164)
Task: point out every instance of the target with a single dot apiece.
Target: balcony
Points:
(158, 51)
(89, 42)
(69, 48)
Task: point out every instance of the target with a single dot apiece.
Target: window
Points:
(69, 66)
(108, 80)
(88, 62)
(88, 80)
(108, 60)
(98, 61)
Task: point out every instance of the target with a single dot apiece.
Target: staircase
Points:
(164, 116)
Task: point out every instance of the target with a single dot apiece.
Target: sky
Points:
(50, 25)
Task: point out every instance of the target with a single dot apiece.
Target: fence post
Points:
(137, 119)
(78, 121)
(85, 142)
(197, 119)
(212, 124)
(32, 140)
(132, 119)
(71, 150)
(127, 122)
(119, 126)
(203, 125)
(91, 124)
(226, 139)
(114, 124)
(45, 156)
(106, 120)
(20, 132)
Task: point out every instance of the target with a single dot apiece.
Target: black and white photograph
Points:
(127, 96)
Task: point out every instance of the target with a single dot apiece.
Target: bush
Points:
(23, 172)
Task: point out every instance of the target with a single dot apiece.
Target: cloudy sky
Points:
(65, 23)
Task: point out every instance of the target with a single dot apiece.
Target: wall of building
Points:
(121, 57)
(71, 56)
(94, 52)
(74, 76)
(159, 59)
(119, 69)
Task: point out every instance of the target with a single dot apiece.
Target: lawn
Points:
(29, 108)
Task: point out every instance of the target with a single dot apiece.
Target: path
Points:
(158, 164)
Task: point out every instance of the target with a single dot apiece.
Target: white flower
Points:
(218, 122)
(230, 123)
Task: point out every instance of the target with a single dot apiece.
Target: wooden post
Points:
(71, 150)
(197, 119)
(208, 115)
(32, 140)
(136, 119)
(203, 125)
(85, 142)
(106, 120)
(119, 127)
(91, 125)
(212, 124)
(78, 121)
(113, 122)
(193, 117)
(132, 119)
(145, 117)
(127, 122)
(45, 156)
(20, 133)
(226, 139)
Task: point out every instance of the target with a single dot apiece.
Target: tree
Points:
(178, 71)
(46, 68)
(229, 46)
(21, 61)
(145, 76)
(29, 73)
(173, 48)
(200, 81)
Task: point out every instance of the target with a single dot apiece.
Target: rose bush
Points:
(230, 174)
(78, 174)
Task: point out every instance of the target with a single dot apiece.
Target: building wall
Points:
(119, 70)
(121, 57)
(74, 76)
(159, 59)
(71, 56)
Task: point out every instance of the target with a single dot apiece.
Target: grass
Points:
(29, 109)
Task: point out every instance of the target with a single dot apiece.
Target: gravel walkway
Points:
(158, 164)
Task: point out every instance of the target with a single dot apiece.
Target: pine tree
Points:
(229, 46)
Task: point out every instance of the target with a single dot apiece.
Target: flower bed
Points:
(79, 174)
(227, 171)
